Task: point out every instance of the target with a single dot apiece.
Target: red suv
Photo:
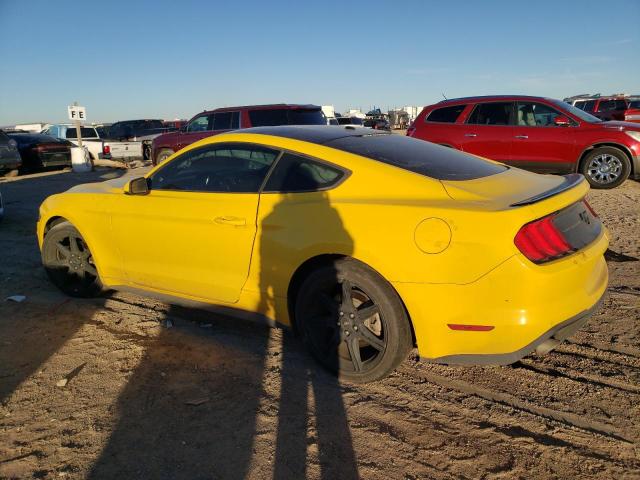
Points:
(221, 120)
(535, 133)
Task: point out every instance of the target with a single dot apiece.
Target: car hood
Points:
(109, 186)
(616, 125)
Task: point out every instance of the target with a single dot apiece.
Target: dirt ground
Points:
(125, 387)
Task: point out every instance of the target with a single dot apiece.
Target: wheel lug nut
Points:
(346, 332)
(355, 328)
(351, 315)
(341, 314)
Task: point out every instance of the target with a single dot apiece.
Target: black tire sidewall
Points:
(398, 334)
(626, 166)
(162, 152)
(78, 290)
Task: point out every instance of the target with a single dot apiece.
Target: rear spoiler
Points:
(570, 181)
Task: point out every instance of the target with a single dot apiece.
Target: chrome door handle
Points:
(229, 220)
(470, 134)
(523, 137)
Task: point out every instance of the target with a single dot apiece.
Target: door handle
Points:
(229, 220)
(470, 134)
(522, 137)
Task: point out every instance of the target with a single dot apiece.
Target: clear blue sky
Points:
(166, 59)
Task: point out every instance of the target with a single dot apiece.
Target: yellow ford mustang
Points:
(366, 243)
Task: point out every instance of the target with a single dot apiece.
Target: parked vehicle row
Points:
(612, 107)
(97, 146)
(535, 133)
(220, 120)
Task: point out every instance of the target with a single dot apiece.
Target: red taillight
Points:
(410, 131)
(541, 241)
(106, 149)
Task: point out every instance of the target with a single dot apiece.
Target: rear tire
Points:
(69, 262)
(163, 155)
(352, 321)
(605, 167)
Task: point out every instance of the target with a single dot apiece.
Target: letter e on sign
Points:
(77, 113)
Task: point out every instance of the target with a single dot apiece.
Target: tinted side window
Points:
(589, 105)
(235, 120)
(496, 113)
(284, 116)
(85, 132)
(233, 168)
(446, 114)
(606, 105)
(222, 121)
(620, 105)
(294, 173)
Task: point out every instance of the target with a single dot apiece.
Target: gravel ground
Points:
(102, 388)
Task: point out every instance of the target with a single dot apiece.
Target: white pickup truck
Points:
(98, 148)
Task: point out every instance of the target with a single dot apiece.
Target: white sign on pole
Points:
(77, 113)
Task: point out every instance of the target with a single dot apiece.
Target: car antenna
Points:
(444, 96)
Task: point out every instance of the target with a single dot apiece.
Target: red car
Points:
(222, 120)
(535, 133)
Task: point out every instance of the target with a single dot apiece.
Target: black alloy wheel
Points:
(69, 262)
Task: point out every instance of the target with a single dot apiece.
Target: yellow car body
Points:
(446, 247)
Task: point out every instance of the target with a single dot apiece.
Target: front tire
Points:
(606, 167)
(163, 155)
(69, 262)
(352, 321)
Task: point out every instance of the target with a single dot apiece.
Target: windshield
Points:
(634, 104)
(587, 117)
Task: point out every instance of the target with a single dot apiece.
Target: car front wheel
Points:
(69, 262)
(606, 167)
(352, 321)
(163, 155)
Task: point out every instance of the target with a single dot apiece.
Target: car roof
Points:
(287, 106)
(492, 97)
(319, 134)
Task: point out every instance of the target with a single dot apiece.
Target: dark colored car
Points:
(535, 133)
(377, 123)
(42, 151)
(350, 121)
(221, 120)
(608, 108)
(10, 160)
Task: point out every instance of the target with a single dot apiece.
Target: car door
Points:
(539, 144)
(192, 235)
(199, 127)
(488, 130)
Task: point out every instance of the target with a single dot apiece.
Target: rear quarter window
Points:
(446, 114)
(418, 156)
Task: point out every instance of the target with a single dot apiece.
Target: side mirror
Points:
(13, 143)
(562, 121)
(137, 186)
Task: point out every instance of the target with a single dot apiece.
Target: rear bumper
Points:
(541, 345)
(520, 305)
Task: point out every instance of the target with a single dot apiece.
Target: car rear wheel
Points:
(69, 262)
(352, 321)
(606, 167)
(163, 155)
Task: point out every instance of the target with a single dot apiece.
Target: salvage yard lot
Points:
(126, 387)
